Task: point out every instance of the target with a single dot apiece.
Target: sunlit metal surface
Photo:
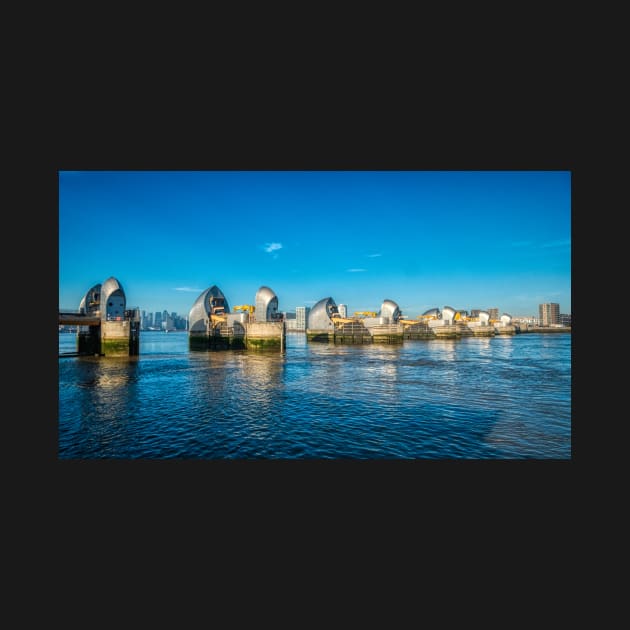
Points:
(113, 299)
(448, 313)
(390, 311)
(211, 301)
(319, 317)
(266, 305)
(432, 312)
(91, 302)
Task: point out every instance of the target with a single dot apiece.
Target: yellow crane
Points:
(365, 313)
(250, 308)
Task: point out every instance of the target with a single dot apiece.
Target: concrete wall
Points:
(375, 321)
(262, 335)
(119, 338)
(239, 317)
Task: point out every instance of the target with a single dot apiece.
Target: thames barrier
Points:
(256, 326)
(107, 327)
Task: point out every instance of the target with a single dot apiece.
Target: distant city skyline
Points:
(425, 239)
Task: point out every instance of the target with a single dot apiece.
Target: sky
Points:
(424, 239)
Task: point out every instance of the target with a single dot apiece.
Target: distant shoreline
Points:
(545, 329)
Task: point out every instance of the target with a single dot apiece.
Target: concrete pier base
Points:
(324, 336)
(120, 338)
(508, 329)
(89, 340)
(265, 335)
(218, 337)
(482, 331)
(240, 336)
(418, 331)
(387, 333)
(463, 330)
(445, 332)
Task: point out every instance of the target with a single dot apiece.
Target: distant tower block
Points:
(118, 334)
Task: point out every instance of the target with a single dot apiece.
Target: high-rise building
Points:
(290, 320)
(549, 313)
(494, 313)
(301, 316)
(343, 310)
(167, 321)
(565, 319)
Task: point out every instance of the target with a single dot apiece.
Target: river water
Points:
(506, 397)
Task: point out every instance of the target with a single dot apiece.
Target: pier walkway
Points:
(77, 318)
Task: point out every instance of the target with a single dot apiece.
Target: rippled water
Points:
(499, 398)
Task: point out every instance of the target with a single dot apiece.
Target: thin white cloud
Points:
(272, 247)
(564, 242)
(355, 270)
(189, 289)
(374, 255)
(558, 243)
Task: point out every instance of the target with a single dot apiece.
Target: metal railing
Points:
(129, 314)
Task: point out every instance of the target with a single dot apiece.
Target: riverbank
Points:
(545, 329)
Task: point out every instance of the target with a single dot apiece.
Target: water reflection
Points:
(107, 394)
(504, 346)
(377, 376)
(444, 349)
(207, 384)
(467, 398)
(263, 373)
(261, 390)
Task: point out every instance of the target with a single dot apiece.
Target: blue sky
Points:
(425, 239)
